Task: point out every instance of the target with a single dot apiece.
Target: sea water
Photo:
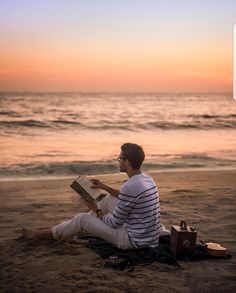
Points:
(64, 134)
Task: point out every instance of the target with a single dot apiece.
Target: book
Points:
(83, 186)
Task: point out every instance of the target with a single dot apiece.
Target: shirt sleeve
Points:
(122, 210)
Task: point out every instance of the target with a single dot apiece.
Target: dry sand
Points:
(205, 199)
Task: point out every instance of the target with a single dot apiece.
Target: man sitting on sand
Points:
(128, 218)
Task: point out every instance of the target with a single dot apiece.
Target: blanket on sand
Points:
(121, 259)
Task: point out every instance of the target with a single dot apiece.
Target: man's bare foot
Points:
(29, 233)
(37, 234)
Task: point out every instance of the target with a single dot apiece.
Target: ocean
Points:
(67, 134)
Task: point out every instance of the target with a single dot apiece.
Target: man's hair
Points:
(134, 153)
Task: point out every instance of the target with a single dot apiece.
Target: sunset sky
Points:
(116, 45)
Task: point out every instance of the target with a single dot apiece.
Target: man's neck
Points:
(133, 172)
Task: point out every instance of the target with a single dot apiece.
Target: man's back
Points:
(138, 207)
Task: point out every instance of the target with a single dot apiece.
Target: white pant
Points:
(92, 224)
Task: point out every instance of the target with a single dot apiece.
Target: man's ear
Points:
(127, 163)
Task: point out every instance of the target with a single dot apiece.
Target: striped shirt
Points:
(138, 208)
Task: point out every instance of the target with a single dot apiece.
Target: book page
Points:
(86, 184)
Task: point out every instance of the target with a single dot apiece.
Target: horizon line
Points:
(118, 92)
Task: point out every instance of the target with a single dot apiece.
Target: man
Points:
(128, 218)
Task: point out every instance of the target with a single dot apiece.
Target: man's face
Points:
(122, 162)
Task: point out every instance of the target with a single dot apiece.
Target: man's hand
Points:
(91, 205)
(97, 184)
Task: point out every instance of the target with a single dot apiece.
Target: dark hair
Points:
(134, 153)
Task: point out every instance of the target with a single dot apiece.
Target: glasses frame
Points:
(120, 158)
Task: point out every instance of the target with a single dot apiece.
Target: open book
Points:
(82, 185)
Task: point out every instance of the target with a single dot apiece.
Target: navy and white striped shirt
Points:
(138, 208)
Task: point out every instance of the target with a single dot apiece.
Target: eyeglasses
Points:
(121, 158)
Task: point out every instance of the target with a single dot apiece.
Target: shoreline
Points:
(66, 177)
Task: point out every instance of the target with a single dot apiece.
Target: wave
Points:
(209, 116)
(59, 169)
(24, 123)
(110, 166)
(10, 113)
(164, 125)
(61, 121)
(128, 125)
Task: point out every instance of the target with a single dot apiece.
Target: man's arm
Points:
(125, 204)
(98, 184)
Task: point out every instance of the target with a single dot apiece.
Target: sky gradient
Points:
(109, 45)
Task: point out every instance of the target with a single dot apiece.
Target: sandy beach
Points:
(205, 199)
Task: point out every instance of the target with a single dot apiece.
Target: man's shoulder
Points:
(139, 183)
(140, 179)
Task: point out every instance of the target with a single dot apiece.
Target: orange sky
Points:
(179, 58)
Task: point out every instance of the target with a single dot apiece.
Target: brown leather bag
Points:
(183, 239)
